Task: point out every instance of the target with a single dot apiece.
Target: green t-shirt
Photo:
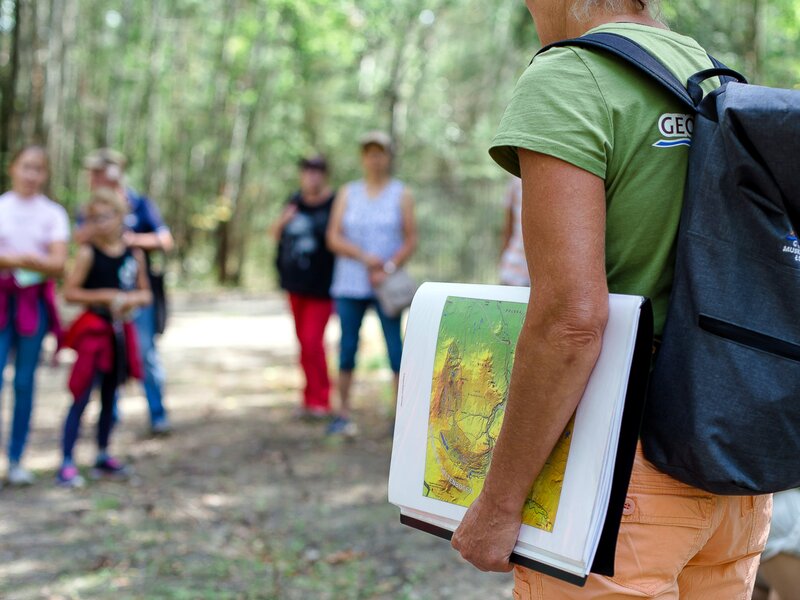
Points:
(594, 111)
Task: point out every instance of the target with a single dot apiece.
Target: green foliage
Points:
(215, 101)
(759, 37)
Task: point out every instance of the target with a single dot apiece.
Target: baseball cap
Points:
(379, 138)
(100, 159)
(316, 162)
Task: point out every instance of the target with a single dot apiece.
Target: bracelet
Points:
(389, 267)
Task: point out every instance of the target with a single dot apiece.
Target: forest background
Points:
(214, 102)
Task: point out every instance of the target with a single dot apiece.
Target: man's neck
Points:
(578, 28)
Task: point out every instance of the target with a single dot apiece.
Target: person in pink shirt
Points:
(513, 264)
(34, 232)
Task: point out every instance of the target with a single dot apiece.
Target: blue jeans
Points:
(154, 376)
(351, 314)
(27, 349)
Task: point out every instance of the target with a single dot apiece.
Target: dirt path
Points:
(241, 501)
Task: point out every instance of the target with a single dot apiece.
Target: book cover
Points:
(459, 350)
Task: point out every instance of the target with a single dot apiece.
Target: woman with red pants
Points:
(305, 267)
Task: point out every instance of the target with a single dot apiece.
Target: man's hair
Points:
(582, 8)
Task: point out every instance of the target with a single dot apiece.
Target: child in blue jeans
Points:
(34, 231)
(110, 280)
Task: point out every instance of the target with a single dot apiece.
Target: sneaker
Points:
(110, 468)
(342, 426)
(161, 427)
(69, 477)
(19, 476)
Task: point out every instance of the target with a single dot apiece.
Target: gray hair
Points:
(583, 8)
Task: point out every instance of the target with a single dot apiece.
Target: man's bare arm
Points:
(563, 219)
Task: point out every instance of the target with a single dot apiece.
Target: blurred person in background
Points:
(109, 279)
(779, 572)
(513, 266)
(305, 270)
(372, 232)
(34, 232)
(145, 230)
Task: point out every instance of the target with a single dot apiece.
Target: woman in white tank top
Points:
(372, 231)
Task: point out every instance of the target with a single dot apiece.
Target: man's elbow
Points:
(166, 241)
(579, 326)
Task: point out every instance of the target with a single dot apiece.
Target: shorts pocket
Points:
(522, 584)
(761, 507)
(660, 532)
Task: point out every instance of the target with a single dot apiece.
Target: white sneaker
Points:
(19, 476)
(350, 430)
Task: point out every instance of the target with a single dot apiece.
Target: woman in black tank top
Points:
(110, 280)
(110, 272)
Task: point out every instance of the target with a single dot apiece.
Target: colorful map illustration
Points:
(472, 369)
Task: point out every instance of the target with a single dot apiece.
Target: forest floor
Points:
(242, 500)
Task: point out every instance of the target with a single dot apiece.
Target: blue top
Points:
(144, 216)
(375, 225)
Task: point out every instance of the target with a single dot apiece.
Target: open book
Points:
(458, 352)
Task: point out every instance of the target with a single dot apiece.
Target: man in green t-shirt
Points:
(602, 153)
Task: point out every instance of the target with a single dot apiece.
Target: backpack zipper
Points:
(749, 338)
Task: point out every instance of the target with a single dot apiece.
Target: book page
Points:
(471, 376)
(459, 346)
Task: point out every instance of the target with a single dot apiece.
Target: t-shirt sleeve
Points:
(556, 109)
(151, 216)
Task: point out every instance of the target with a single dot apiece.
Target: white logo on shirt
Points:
(128, 273)
(677, 128)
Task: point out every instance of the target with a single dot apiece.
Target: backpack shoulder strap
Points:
(633, 54)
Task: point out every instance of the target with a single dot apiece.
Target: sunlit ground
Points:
(242, 501)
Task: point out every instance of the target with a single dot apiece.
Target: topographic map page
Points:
(471, 373)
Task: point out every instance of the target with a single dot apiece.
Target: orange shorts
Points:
(676, 542)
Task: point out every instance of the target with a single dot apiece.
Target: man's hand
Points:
(487, 535)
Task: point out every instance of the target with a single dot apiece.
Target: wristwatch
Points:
(389, 267)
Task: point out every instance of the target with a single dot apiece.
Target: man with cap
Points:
(145, 230)
(305, 269)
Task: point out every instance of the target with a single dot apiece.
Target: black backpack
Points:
(723, 408)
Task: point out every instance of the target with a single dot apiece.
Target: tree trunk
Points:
(220, 104)
(66, 140)
(39, 23)
(8, 91)
(754, 43)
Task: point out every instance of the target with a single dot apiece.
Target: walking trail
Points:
(242, 500)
